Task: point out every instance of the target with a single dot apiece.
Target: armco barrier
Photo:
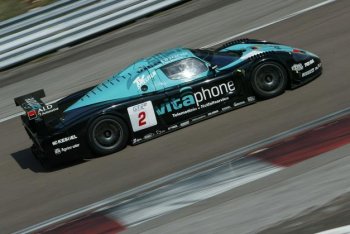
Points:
(34, 13)
(55, 27)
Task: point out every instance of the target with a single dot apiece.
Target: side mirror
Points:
(213, 68)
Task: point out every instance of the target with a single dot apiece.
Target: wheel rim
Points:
(269, 78)
(107, 133)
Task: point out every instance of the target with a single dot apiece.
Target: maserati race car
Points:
(160, 94)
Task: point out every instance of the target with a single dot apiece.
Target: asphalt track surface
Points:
(30, 195)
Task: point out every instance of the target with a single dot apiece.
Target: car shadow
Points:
(26, 160)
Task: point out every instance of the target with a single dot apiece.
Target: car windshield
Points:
(221, 59)
(186, 69)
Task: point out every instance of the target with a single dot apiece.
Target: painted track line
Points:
(11, 117)
(229, 38)
(271, 23)
(339, 230)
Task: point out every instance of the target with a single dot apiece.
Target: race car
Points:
(162, 93)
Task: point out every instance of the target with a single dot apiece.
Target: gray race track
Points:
(29, 195)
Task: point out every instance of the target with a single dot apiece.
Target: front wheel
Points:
(107, 134)
(269, 79)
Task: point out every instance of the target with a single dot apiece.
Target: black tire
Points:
(107, 134)
(269, 79)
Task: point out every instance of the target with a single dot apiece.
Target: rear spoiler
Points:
(35, 108)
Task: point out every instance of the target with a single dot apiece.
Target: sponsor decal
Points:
(213, 112)
(47, 110)
(199, 118)
(59, 151)
(172, 127)
(195, 100)
(318, 66)
(142, 116)
(171, 56)
(136, 140)
(144, 79)
(33, 111)
(214, 91)
(251, 99)
(214, 102)
(184, 112)
(238, 103)
(312, 70)
(309, 63)
(184, 123)
(63, 140)
(148, 136)
(159, 132)
(32, 114)
(31, 104)
(308, 72)
(226, 108)
(186, 99)
(297, 67)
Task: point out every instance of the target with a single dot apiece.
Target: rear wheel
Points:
(107, 134)
(269, 79)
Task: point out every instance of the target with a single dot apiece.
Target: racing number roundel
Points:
(142, 116)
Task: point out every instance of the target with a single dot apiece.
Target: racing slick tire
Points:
(269, 79)
(107, 134)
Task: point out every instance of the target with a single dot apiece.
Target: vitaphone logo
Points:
(188, 98)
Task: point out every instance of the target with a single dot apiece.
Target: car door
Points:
(192, 93)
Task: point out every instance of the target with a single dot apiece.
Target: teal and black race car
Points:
(160, 94)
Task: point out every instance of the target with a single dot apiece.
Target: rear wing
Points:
(35, 108)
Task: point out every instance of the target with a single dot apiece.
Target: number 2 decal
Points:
(142, 118)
